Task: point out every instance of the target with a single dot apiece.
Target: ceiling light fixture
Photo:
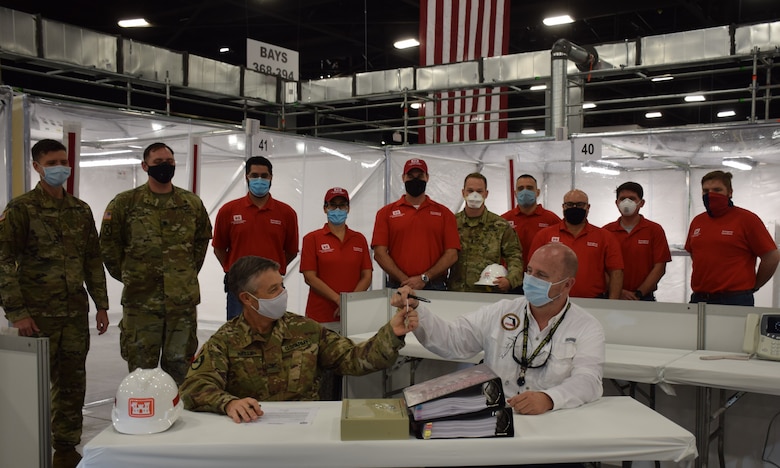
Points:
(557, 20)
(528, 131)
(133, 23)
(406, 43)
(224, 50)
(109, 162)
(540, 87)
(105, 153)
(653, 115)
(662, 78)
(743, 163)
(695, 98)
(118, 139)
(727, 113)
(415, 105)
(600, 167)
(588, 105)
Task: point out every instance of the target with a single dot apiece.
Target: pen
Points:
(421, 299)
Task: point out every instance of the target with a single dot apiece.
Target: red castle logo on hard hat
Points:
(140, 407)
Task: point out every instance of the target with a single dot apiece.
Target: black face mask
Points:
(162, 173)
(574, 215)
(415, 187)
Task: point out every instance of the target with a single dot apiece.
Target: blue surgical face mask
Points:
(56, 175)
(526, 197)
(259, 187)
(537, 291)
(337, 217)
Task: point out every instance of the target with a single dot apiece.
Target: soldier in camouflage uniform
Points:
(485, 238)
(268, 354)
(154, 239)
(48, 250)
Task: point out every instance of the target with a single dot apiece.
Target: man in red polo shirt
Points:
(597, 250)
(415, 239)
(528, 217)
(725, 243)
(334, 259)
(256, 224)
(642, 241)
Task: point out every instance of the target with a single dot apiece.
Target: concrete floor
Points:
(105, 371)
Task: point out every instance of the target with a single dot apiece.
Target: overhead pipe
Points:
(586, 59)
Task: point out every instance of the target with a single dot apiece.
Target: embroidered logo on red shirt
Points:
(396, 213)
(435, 213)
(238, 219)
(276, 221)
(357, 249)
(592, 244)
(696, 232)
(325, 248)
(555, 239)
(643, 241)
(726, 233)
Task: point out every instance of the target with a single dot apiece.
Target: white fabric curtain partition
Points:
(669, 165)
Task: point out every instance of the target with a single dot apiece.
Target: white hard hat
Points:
(490, 273)
(147, 402)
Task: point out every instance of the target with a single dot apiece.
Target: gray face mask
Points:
(274, 308)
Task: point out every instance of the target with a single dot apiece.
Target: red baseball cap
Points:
(336, 192)
(415, 163)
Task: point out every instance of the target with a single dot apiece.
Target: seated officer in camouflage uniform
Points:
(269, 354)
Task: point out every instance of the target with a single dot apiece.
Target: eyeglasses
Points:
(575, 204)
(337, 206)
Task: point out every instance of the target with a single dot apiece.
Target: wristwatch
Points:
(425, 278)
(639, 294)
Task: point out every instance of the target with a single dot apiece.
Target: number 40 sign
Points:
(587, 148)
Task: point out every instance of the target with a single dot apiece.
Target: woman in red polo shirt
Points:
(334, 259)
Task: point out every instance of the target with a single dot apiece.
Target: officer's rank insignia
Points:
(510, 321)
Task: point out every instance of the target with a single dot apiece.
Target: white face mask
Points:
(272, 308)
(627, 207)
(474, 200)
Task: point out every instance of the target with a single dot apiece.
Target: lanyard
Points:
(525, 361)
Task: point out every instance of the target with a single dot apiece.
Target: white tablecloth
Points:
(755, 375)
(639, 363)
(611, 429)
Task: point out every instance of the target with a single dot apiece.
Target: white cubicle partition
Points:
(640, 323)
(364, 312)
(25, 437)
(724, 326)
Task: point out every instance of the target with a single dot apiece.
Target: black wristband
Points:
(639, 294)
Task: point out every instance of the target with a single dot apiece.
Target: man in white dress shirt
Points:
(548, 352)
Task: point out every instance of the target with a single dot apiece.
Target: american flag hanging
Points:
(457, 31)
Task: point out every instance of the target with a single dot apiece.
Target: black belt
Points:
(705, 296)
